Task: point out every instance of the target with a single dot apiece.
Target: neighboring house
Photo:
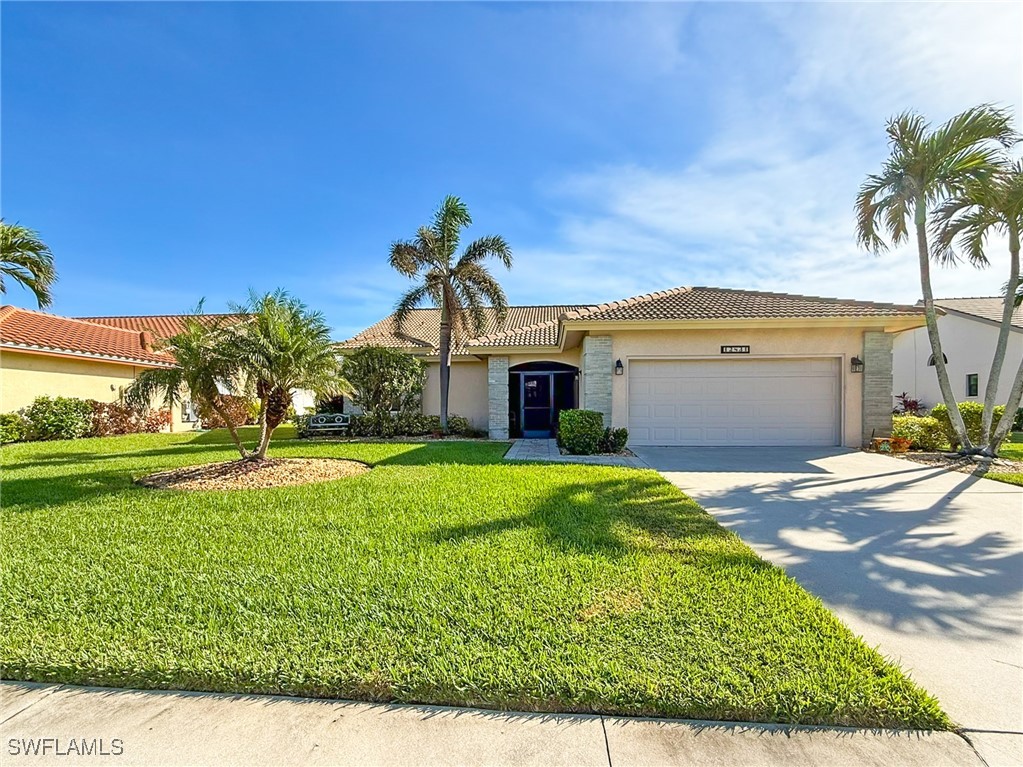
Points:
(44, 354)
(969, 332)
(687, 366)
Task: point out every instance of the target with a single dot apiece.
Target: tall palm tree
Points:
(283, 347)
(462, 289)
(205, 364)
(966, 220)
(26, 259)
(924, 168)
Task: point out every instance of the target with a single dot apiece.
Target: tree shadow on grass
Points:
(610, 517)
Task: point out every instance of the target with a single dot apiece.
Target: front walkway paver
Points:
(176, 728)
(548, 450)
(924, 563)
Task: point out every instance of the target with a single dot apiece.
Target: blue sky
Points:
(169, 152)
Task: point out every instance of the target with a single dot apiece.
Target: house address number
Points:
(735, 349)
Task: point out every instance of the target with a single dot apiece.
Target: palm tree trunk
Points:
(991, 390)
(231, 428)
(1016, 393)
(445, 362)
(275, 410)
(923, 253)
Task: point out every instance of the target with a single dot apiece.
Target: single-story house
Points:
(45, 354)
(969, 331)
(686, 366)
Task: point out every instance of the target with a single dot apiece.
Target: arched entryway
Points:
(537, 393)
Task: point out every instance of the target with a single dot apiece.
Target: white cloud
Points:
(767, 203)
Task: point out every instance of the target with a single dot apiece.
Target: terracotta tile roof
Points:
(160, 325)
(28, 330)
(527, 326)
(985, 307)
(701, 303)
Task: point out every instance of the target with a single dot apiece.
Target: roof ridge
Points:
(833, 299)
(154, 316)
(623, 302)
(971, 298)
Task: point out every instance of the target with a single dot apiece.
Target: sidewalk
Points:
(182, 728)
(547, 450)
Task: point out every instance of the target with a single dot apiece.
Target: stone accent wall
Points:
(497, 388)
(877, 385)
(597, 371)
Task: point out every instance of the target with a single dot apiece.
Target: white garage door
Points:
(734, 402)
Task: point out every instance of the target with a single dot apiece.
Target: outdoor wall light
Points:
(619, 368)
(856, 365)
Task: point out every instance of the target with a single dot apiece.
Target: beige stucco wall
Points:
(23, 377)
(843, 343)
(467, 392)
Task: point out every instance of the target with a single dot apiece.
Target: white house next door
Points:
(735, 402)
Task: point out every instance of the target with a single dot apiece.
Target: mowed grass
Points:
(1012, 448)
(442, 576)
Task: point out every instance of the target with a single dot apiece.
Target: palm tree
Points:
(967, 220)
(283, 347)
(461, 289)
(924, 168)
(26, 259)
(205, 363)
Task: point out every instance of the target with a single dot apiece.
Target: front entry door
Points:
(536, 405)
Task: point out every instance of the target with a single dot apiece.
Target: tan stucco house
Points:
(89, 358)
(686, 366)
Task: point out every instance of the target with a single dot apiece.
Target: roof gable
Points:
(984, 307)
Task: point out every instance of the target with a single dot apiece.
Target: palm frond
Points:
(26, 259)
(448, 222)
(491, 246)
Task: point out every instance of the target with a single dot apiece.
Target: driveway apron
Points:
(925, 564)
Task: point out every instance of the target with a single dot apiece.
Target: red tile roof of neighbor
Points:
(540, 325)
(160, 325)
(31, 331)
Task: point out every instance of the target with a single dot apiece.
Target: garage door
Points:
(734, 402)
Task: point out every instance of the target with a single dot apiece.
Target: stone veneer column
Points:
(497, 388)
(877, 385)
(596, 375)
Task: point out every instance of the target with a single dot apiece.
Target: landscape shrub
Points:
(906, 405)
(580, 431)
(12, 427)
(384, 380)
(239, 409)
(58, 418)
(924, 432)
(972, 413)
(1017, 422)
(407, 424)
(614, 440)
(331, 405)
(110, 418)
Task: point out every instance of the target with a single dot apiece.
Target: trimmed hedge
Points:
(580, 431)
(240, 409)
(614, 440)
(924, 432)
(972, 413)
(57, 418)
(408, 424)
(113, 418)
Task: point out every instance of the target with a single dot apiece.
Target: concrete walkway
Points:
(548, 450)
(924, 563)
(173, 728)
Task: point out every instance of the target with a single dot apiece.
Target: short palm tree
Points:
(205, 365)
(462, 289)
(26, 259)
(924, 168)
(283, 347)
(992, 206)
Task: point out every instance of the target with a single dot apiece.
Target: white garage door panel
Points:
(734, 402)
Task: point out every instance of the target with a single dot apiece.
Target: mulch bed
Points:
(251, 475)
(963, 464)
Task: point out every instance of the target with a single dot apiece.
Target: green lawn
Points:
(442, 576)
(1011, 448)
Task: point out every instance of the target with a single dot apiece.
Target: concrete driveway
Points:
(923, 563)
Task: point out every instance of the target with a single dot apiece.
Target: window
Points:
(187, 412)
(972, 384)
